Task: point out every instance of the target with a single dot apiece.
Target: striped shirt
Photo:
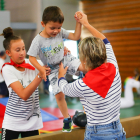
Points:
(99, 110)
(21, 115)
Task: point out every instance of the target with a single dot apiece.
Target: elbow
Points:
(24, 98)
(77, 38)
(30, 58)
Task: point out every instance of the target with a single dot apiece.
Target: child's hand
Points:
(78, 15)
(44, 72)
(83, 20)
(66, 50)
(62, 71)
(48, 70)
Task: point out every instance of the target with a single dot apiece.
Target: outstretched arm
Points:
(76, 35)
(71, 89)
(109, 51)
(91, 29)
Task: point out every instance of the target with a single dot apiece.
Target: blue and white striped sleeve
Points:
(73, 89)
(110, 53)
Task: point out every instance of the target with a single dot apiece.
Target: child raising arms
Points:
(22, 113)
(48, 44)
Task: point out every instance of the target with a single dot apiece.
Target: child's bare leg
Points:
(60, 98)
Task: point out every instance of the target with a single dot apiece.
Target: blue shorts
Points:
(111, 131)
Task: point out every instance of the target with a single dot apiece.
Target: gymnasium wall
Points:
(25, 11)
(4, 22)
(119, 20)
(31, 11)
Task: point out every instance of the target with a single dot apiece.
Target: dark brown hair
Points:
(52, 13)
(9, 36)
(93, 51)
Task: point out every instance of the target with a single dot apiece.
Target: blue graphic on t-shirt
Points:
(45, 49)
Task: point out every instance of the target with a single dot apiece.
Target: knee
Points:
(60, 96)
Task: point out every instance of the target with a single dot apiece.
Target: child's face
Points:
(17, 51)
(52, 28)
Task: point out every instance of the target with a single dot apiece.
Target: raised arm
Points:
(76, 35)
(91, 29)
(109, 51)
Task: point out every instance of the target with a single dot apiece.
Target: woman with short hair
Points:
(100, 89)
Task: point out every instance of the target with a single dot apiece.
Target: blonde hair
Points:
(92, 50)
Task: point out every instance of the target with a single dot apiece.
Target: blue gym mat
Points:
(45, 116)
(4, 100)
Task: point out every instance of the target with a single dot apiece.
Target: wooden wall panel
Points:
(120, 22)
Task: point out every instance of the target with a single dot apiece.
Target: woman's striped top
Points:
(99, 110)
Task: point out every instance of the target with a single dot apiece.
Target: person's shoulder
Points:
(7, 68)
(62, 29)
(37, 38)
(1, 60)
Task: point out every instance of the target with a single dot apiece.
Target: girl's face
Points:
(17, 51)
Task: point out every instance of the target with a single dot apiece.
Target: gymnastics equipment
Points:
(128, 100)
(131, 127)
(54, 125)
(4, 100)
(80, 119)
(2, 110)
(44, 131)
(47, 117)
(57, 113)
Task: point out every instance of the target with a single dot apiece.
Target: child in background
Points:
(136, 74)
(22, 115)
(3, 87)
(48, 44)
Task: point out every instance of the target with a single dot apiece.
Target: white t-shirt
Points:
(21, 115)
(1, 64)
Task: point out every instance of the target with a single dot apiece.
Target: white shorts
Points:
(72, 63)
